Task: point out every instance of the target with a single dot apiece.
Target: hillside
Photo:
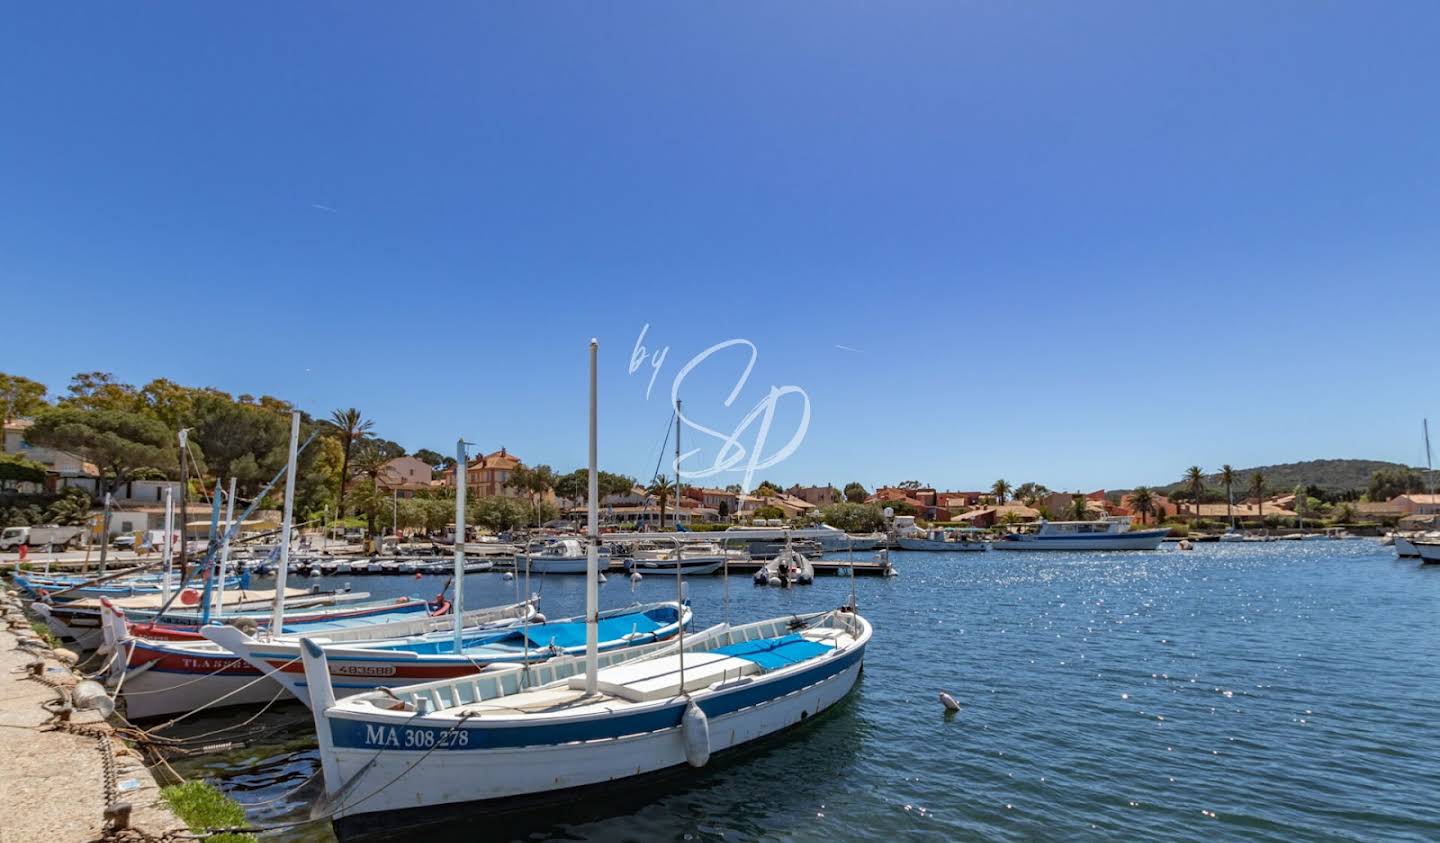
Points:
(1334, 475)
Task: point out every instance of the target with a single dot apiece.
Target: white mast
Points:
(459, 607)
(167, 552)
(277, 616)
(592, 563)
(1429, 470)
(225, 548)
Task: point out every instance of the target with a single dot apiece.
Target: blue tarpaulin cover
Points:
(775, 653)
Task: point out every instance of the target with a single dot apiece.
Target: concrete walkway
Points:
(54, 781)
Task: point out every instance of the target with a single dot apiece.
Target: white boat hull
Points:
(945, 547)
(478, 775)
(555, 566)
(1122, 541)
(1404, 548)
(1429, 552)
(157, 693)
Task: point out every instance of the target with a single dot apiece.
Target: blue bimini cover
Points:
(572, 634)
(775, 653)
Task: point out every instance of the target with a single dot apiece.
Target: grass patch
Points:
(202, 806)
(45, 634)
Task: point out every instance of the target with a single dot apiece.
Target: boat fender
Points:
(538, 617)
(695, 729)
(600, 578)
(508, 576)
(775, 581)
(635, 578)
(949, 702)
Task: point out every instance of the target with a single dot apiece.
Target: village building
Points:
(488, 475)
(816, 495)
(405, 476)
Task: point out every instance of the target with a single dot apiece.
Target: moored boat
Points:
(1112, 533)
(517, 733)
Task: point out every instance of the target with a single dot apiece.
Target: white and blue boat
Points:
(538, 730)
(576, 722)
(1111, 533)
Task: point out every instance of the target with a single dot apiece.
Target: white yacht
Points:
(1111, 533)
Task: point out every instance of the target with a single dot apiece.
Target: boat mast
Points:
(168, 552)
(677, 468)
(225, 548)
(592, 563)
(209, 591)
(1429, 469)
(277, 616)
(459, 607)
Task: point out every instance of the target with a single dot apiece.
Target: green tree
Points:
(349, 428)
(1227, 479)
(855, 493)
(17, 469)
(534, 482)
(118, 442)
(1388, 483)
(498, 513)
(854, 517)
(910, 485)
(723, 510)
(100, 391)
(768, 512)
(1001, 491)
(662, 489)
(1079, 508)
(431, 458)
(576, 484)
(1030, 492)
(1142, 500)
(1257, 490)
(768, 490)
(1195, 479)
(238, 440)
(70, 509)
(20, 396)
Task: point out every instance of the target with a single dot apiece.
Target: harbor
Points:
(789, 422)
(1136, 647)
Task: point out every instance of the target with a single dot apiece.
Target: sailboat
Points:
(575, 722)
(1424, 545)
(172, 673)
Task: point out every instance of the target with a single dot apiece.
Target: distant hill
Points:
(1333, 475)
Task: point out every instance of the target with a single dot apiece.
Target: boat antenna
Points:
(592, 564)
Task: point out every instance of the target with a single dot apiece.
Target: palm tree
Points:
(1257, 488)
(1227, 479)
(370, 462)
(534, 482)
(661, 488)
(1001, 491)
(1195, 479)
(1079, 507)
(1142, 500)
(349, 427)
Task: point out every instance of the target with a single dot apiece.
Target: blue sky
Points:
(1083, 244)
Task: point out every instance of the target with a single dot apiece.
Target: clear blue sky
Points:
(1084, 244)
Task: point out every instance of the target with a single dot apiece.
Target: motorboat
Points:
(695, 558)
(1428, 550)
(562, 556)
(940, 539)
(1111, 533)
(789, 567)
(1232, 535)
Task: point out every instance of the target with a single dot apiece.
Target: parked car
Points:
(124, 542)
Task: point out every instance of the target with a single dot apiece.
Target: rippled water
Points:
(1284, 691)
